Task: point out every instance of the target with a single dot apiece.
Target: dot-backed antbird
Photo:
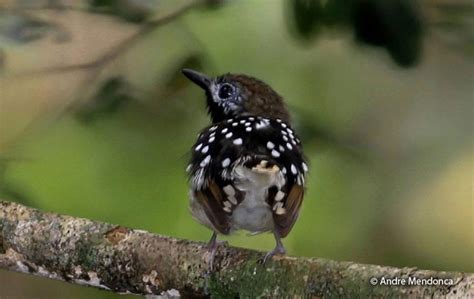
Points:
(247, 169)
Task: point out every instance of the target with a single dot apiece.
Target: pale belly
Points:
(253, 214)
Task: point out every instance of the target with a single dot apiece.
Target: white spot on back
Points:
(213, 128)
(305, 167)
(226, 162)
(235, 124)
(205, 149)
(288, 145)
(281, 148)
(293, 169)
(224, 130)
(300, 179)
(275, 153)
(205, 161)
(270, 145)
(228, 135)
(238, 141)
(248, 129)
(212, 139)
(198, 147)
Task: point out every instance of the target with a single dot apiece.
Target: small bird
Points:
(247, 170)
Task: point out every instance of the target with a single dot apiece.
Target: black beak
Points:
(200, 79)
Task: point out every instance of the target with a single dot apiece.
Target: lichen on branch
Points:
(124, 260)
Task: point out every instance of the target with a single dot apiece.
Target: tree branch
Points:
(121, 47)
(125, 260)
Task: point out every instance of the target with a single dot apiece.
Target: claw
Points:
(278, 250)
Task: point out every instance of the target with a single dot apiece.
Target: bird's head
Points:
(232, 95)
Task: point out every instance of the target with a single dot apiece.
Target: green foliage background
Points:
(390, 148)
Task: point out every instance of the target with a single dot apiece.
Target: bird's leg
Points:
(279, 248)
(212, 248)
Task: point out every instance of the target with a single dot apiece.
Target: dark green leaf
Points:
(110, 97)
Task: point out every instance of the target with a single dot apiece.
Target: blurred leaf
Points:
(175, 79)
(110, 97)
(130, 10)
(393, 24)
(452, 23)
(214, 4)
(369, 24)
(102, 3)
(24, 29)
(318, 137)
(337, 12)
(307, 17)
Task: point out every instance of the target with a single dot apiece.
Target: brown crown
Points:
(260, 98)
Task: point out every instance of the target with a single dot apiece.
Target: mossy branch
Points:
(126, 260)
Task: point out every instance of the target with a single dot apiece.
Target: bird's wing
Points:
(210, 173)
(286, 208)
(218, 202)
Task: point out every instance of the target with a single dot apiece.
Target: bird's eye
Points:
(225, 91)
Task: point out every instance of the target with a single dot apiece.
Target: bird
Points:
(247, 168)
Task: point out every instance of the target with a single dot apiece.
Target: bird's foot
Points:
(278, 250)
(212, 249)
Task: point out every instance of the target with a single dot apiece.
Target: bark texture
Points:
(127, 260)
